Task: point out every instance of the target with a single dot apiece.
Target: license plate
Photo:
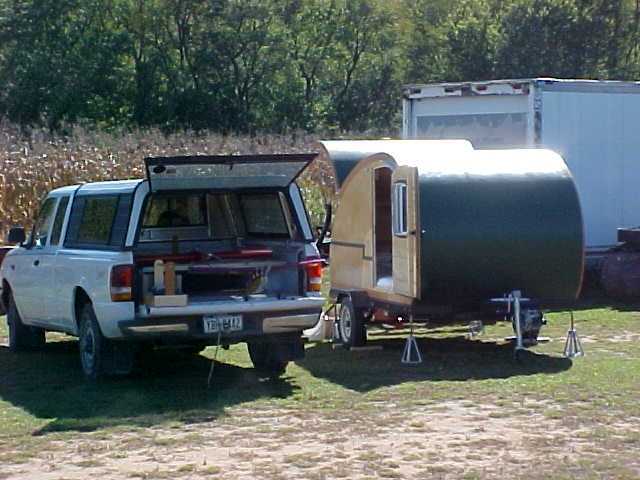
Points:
(224, 323)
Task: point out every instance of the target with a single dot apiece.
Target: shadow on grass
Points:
(594, 297)
(589, 303)
(448, 359)
(169, 386)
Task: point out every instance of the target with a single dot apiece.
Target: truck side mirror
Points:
(17, 235)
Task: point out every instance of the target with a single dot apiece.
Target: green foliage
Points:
(471, 37)
(571, 39)
(281, 66)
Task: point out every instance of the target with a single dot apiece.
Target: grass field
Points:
(468, 411)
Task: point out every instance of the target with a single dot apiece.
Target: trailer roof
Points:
(344, 155)
(520, 86)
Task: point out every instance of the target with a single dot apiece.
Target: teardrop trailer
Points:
(428, 229)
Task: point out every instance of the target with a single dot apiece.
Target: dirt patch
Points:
(452, 440)
(626, 337)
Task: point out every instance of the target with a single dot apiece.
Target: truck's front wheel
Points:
(21, 336)
(98, 355)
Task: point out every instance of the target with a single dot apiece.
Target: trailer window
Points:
(399, 208)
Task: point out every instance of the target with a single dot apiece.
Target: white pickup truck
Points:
(207, 250)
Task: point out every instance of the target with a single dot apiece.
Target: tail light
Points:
(314, 275)
(122, 283)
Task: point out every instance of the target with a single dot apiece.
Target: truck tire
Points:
(100, 356)
(351, 328)
(21, 336)
(265, 357)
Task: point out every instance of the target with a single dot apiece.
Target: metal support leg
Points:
(513, 300)
(411, 354)
(215, 358)
(335, 336)
(573, 346)
(515, 297)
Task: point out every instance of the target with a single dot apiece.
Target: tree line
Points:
(281, 66)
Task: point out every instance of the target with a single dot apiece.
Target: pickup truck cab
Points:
(207, 250)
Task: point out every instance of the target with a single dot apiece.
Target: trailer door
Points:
(406, 237)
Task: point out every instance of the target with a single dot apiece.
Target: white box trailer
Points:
(594, 125)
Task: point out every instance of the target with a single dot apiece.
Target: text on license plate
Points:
(225, 323)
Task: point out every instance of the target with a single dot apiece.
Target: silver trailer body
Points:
(593, 125)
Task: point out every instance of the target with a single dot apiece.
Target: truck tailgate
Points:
(236, 304)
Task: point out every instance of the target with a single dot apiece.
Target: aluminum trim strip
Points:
(256, 306)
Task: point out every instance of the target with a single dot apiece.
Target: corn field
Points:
(34, 161)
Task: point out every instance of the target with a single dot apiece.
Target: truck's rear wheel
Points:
(266, 358)
(99, 356)
(21, 336)
(351, 327)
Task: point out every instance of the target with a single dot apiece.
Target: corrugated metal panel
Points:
(597, 134)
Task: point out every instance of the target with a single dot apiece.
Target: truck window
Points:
(97, 217)
(224, 216)
(59, 219)
(263, 214)
(42, 226)
(98, 221)
(175, 211)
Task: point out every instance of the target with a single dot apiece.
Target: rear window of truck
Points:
(263, 214)
(175, 211)
(216, 216)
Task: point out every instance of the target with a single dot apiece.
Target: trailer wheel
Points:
(21, 336)
(531, 321)
(351, 327)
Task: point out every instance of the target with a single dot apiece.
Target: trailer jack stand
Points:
(513, 299)
(411, 354)
(573, 346)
